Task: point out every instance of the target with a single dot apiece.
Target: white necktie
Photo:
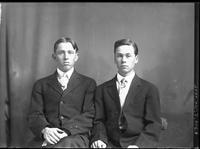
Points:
(63, 81)
(123, 83)
(122, 95)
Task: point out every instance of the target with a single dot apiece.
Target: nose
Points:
(123, 59)
(66, 56)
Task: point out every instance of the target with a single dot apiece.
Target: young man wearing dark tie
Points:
(127, 107)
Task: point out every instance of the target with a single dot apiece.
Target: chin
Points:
(124, 71)
(66, 68)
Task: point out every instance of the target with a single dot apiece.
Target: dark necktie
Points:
(122, 122)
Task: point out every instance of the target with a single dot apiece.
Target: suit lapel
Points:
(112, 91)
(133, 90)
(53, 82)
(74, 81)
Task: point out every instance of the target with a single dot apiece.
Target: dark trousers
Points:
(72, 141)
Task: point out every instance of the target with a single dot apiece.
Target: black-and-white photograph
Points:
(99, 75)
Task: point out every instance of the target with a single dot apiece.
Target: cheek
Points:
(117, 63)
(118, 60)
(57, 59)
(132, 64)
(73, 59)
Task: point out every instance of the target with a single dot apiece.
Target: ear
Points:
(54, 56)
(114, 59)
(136, 59)
(77, 57)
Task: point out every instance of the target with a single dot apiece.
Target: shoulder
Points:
(107, 83)
(86, 78)
(148, 84)
(42, 81)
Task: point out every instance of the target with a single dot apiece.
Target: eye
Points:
(128, 55)
(71, 52)
(59, 52)
(119, 55)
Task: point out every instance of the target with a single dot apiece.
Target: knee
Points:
(73, 141)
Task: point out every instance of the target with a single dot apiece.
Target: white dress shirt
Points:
(63, 77)
(123, 91)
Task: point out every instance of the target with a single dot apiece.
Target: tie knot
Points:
(63, 80)
(64, 76)
(123, 82)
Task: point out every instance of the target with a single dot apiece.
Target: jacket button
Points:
(61, 102)
(61, 117)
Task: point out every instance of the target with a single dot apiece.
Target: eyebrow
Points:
(66, 50)
(122, 53)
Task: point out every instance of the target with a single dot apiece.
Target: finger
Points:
(62, 135)
(104, 145)
(57, 135)
(95, 144)
(53, 138)
(49, 140)
(101, 144)
(59, 130)
(92, 145)
(98, 144)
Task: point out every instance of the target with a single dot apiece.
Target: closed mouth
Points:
(124, 66)
(65, 63)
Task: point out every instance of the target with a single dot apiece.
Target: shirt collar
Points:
(64, 74)
(129, 78)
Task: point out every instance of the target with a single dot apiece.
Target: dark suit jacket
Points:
(141, 112)
(71, 110)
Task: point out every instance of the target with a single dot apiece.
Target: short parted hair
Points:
(65, 40)
(122, 42)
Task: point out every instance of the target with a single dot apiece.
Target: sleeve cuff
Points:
(41, 136)
(67, 131)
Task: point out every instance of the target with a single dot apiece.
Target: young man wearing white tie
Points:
(62, 108)
(127, 107)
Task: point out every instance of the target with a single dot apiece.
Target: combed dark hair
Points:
(126, 42)
(65, 40)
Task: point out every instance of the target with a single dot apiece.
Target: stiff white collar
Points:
(129, 78)
(64, 74)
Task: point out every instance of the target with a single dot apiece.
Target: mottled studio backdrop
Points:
(164, 33)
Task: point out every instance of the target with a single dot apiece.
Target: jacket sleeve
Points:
(152, 120)
(99, 130)
(36, 118)
(83, 122)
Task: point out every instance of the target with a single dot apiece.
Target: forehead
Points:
(125, 49)
(65, 46)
